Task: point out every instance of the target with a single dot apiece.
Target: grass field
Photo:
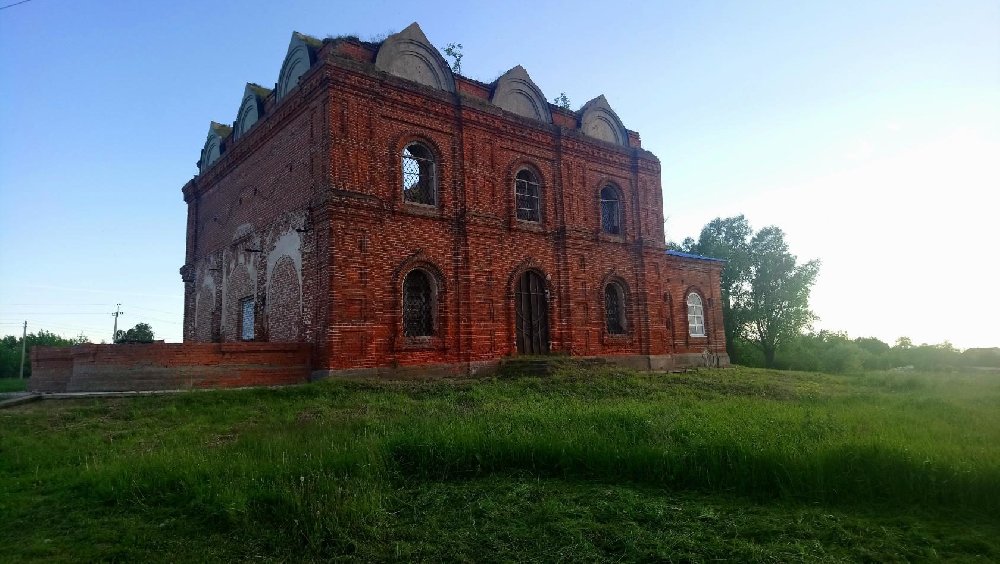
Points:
(13, 385)
(736, 464)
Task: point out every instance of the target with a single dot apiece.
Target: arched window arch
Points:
(611, 210)
(418, 304)
(419, 175)
(614, 309)
(696, 315)
(527, 196)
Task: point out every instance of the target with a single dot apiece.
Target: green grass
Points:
(13, 385)
(740, 464)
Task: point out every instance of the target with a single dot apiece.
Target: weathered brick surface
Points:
(305, 214)
(172, 366)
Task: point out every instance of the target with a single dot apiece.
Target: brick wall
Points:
(161, 366)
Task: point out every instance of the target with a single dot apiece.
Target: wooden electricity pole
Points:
(114, 332)
(24, 343)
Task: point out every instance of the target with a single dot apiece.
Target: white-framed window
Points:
(419, 169)
(527, 196)
(696, 315)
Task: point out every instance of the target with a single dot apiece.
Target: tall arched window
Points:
(418, 305)
(614, 308)
(611, 210)
(696, 315)
(526, 192)
(419, 175)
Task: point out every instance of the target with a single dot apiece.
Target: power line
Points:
(14, 4)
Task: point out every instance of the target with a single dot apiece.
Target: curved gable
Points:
(215, 145)
(601, 122)
(408, 54)
(299, 59)
(251, 109)
(517, 93)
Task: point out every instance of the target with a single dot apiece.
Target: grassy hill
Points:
(608, 464)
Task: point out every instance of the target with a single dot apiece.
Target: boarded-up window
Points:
(418, 305)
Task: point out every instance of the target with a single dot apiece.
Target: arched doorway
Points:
(531, 313)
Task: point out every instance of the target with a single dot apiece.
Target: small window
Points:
(527, 195)
(696, 315)
(611, 210)
(246, 319)
(418, 175)
(614, 308)
(418, 305)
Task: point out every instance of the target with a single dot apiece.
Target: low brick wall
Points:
(167, 366)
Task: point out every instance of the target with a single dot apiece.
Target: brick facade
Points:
(301, 217)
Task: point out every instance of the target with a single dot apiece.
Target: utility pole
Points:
(114, 333)
(24, 343)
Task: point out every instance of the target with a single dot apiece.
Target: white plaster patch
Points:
(289, 244)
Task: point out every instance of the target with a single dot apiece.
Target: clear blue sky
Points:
(869, 131)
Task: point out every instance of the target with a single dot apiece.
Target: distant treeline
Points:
(837, 353)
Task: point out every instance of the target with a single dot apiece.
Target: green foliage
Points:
(10, 350)
(562, 101)
(13, 384)
(739, 463)
(982, 357)
(837, 353)
(454, 50)
(141, 333)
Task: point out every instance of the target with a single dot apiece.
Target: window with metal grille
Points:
(418, 175)
(526, 191)
(614, 308)
(418, 305)
(696, 315)
(611, 210)
(246, 319)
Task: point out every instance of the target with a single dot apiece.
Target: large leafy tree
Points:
(776, 306)
(141, 333)
(765, 292)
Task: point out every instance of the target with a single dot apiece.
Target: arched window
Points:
(418, 305)
(611, 210)
(526, 193)
(418, 175)
(614, 308)
(696, 315)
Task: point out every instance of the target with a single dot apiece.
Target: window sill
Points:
(423, 210)
(610, 238)
(616, 339)
(525, 225)
(433, 342)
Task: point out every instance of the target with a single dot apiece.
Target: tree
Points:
(775, 307)
(562, 101)
(454, 50)
(141, 333)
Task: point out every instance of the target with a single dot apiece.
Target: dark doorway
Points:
(531, 311)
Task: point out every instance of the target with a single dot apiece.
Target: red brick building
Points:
(394, 215)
